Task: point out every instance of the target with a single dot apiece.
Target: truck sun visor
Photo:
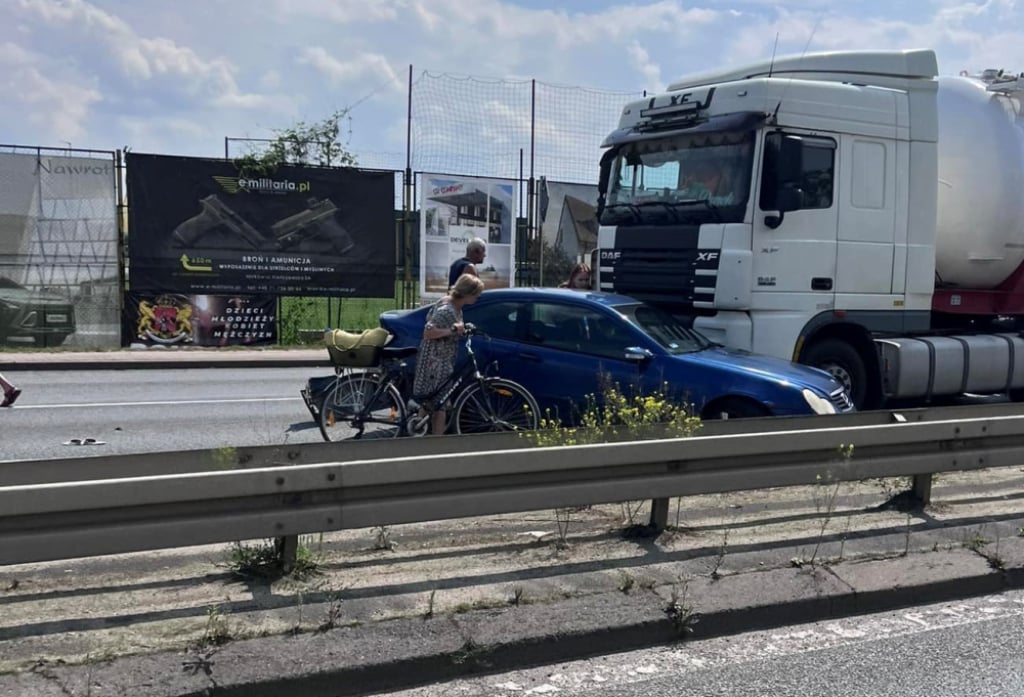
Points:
(736, 121)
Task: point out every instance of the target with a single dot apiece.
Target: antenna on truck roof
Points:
(775, 48)
(772, 64)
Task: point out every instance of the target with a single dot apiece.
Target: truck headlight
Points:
(817, 403)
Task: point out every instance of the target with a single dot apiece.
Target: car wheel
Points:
(735, 408)
(841, 361)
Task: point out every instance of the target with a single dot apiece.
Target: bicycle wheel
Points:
(346, 412)
(494, 404)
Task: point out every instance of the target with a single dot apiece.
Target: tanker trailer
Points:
(974, 344)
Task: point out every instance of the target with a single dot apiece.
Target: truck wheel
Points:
(842, 362)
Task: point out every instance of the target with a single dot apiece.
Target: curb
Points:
(405, 653)
(12, 363)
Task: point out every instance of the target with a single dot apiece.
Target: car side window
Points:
(578, 329)
(497, 320)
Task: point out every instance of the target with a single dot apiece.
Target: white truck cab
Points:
(790, 208)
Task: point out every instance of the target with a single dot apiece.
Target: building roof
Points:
(468, 198)
(584, 220)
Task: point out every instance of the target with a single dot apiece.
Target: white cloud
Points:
(344, 11)
(57, 107)
(651, 71)
(372, 65)
(138, 58)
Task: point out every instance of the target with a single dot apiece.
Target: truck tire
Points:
(844, 364)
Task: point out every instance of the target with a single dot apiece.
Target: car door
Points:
(497, 346)
(571, 351)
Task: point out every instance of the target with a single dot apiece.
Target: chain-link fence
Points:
(61, 276)
(547, 136)
(59, 265)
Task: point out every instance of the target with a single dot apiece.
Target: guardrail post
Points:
(659, 514)
(287, 552)
(923, 488)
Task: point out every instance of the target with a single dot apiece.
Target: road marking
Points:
(235, 400)
(636, 667)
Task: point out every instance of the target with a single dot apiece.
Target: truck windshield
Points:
(687, 178)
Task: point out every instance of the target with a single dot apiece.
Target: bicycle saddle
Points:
(394, 353)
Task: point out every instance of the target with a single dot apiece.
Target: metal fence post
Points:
(287, 552)
(923, 488)
(659, 514)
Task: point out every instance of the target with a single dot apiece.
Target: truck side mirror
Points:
(602, 179)
(789, 199)
(790, 163)
(783, 175)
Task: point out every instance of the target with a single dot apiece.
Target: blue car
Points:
(563, 345)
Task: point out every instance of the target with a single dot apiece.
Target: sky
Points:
(179, 77)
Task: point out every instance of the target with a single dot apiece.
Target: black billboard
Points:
(203, 226)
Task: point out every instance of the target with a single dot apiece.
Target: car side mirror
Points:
(637, 354)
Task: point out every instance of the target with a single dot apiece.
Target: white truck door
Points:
(797, 256)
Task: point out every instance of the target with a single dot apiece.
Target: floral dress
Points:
(436, 358)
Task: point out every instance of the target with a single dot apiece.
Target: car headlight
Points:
(817, 403)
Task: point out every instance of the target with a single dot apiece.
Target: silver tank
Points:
(981, 184)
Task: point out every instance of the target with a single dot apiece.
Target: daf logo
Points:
(707, 256)
(610, 255)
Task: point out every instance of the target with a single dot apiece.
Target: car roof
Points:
(538, 294)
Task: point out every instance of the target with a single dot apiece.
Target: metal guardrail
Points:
(253, 457)
(63, 520)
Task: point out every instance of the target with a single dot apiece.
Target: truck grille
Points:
(663, 275)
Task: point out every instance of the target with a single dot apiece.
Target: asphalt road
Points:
(137, 411)
(963, 649)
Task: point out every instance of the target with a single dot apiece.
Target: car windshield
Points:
(670, 333)
(678, 178)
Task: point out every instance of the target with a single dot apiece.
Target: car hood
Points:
(733, 360)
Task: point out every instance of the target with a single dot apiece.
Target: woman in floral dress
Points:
(436, 358)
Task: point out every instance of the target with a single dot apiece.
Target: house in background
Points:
(568, 217)
(577, 228)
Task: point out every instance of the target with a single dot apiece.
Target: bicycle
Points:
(374, 402)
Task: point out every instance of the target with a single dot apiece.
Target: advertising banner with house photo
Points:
(568, 225)
(454, 210)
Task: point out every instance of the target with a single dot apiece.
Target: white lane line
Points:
(236, 400)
